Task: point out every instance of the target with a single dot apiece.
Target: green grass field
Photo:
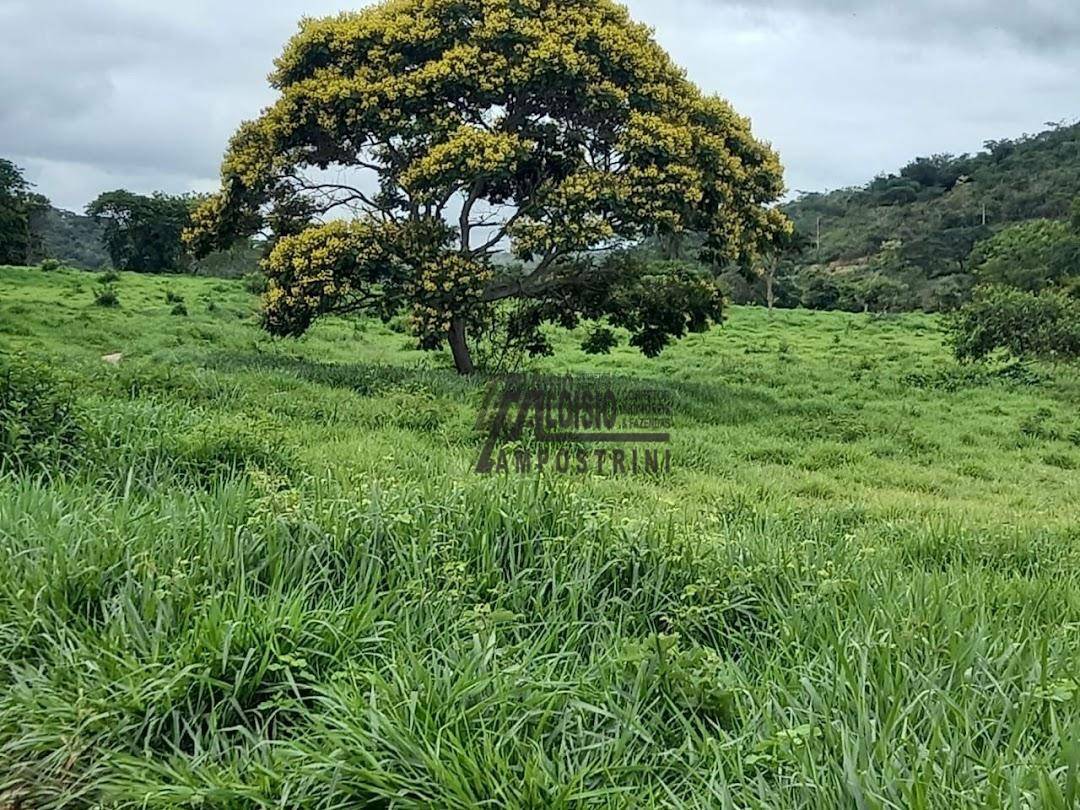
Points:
(238, 572)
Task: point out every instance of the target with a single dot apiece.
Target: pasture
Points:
(245, 572)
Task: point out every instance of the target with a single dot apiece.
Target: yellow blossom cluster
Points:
(565, 114)
(469, 152)
(447, 287)
(324, 270)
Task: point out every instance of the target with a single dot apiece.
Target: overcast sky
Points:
(144, 94)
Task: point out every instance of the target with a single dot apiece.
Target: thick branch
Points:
(529, 284)
(465, 222)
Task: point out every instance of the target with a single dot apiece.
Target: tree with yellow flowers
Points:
(415, 139)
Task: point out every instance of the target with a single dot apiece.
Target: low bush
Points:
(1043, 326)
(107, 297)
(959, 378)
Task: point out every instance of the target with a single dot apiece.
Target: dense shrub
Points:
(1025, 325)
(960, 378)
(38, 425)
(107, 297)
(876, 293)
(738, 289)
(49, 265)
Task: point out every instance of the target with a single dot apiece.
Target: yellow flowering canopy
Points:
(451, 129)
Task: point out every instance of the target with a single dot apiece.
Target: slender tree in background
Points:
(768, 264)
(144, 233)
(453, 128)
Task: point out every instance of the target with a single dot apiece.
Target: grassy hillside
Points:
(263, 574)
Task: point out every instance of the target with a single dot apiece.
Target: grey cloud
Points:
(132, 89)
(1032, 24)
(842, 102)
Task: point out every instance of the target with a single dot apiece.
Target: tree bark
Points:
(459, 346)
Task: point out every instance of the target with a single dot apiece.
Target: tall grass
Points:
(264, 575)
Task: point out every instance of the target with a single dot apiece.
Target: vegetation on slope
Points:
(919, 227)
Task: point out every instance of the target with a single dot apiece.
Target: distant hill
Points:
(74, 239)
(922, 222)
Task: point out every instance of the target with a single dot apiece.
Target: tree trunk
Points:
(460, 348)
(770, 297)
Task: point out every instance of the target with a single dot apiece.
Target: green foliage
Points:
(936, 172)
(563, 128)
(819, 289)
(39, 429)
(687, 680)
(107, 297)
(1026, 325)
(144, 233)
(880, 293)
(256, 283)
(20, 208)
(222, 446)
(240, 260)
(967, 376)
(49, 265)
(179, 309)
(738, 289)
(662, 301)
(880, 286)
(505, 336)
(76, 240)
(1029, 256)
(600, 340)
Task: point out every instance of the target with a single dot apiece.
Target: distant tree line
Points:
(120, 230)
(924, 238)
